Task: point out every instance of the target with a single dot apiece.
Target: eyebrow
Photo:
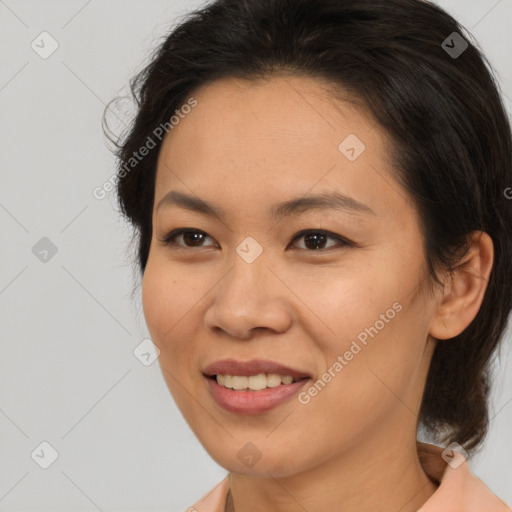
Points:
(323, 201)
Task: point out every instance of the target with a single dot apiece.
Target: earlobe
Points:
(464, 290)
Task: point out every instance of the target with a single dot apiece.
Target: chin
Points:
(277, 465)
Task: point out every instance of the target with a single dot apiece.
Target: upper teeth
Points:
(254, 382)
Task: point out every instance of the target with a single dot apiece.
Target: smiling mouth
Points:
(254, 382)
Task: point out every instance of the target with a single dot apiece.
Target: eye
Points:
(314, 239)
(192, 236)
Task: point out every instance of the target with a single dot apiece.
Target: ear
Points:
(464, 289)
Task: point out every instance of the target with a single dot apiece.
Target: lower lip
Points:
(253, 402)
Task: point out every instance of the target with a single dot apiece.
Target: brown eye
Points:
(315, 240)
(191, 238)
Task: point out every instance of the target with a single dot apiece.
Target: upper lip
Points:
(252, 367)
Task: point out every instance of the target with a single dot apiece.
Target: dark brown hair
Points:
(451, 142)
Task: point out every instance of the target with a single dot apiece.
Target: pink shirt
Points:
(459, 490)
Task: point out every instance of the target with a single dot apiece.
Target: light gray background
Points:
(67, 369)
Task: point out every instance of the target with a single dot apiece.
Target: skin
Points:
(246, 146)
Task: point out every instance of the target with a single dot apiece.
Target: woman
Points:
(324, 242)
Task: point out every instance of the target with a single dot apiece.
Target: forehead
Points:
(274, 137)
(277, 108)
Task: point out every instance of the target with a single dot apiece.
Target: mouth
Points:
(256, 374)
(253, 382)
(254, 386)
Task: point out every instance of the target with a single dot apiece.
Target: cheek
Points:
(154, 299)
(171, 300)
(164, 304)
(167, 295)
(166, 300)
(376, 324)
(342, 302)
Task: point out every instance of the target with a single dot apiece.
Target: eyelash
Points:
(343, 242)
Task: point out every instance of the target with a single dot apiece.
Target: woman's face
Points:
(351, 313)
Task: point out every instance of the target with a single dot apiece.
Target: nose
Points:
(249, 297)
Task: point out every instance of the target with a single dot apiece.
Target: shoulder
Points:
(459, 489)
(214, 500)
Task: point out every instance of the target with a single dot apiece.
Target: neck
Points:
(381, 479)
